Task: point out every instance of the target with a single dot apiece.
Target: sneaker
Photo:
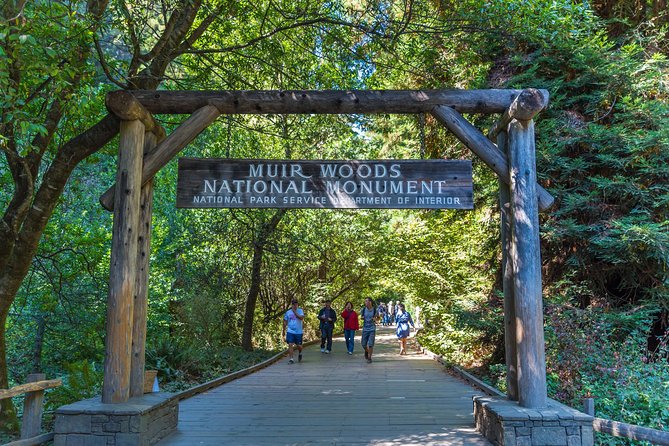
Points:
(369, 360)
(322, 350)
(299, 357)
(327, 352)
(350, 353)
(290, 361)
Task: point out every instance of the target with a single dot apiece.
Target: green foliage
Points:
(604, 355)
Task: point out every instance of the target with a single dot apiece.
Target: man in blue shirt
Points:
(292, 321)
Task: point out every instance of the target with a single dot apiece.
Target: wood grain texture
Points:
(325, 101)
(30, 387)
(123, 265)
(33, 406)
(484, 149)
(507, 282)
(526, 259)
(124, 105)
(169, 147)
(640, 433)
(142, 281)
(335, 399)
(523, 108)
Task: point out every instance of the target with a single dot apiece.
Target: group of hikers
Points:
(369, 316)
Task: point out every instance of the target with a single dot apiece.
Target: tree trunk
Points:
(266, 231)
(8, 420)
(39, 343)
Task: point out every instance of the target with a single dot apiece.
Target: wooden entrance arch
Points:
(144, 149)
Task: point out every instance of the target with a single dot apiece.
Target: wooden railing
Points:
(618, 429)
(33, 406)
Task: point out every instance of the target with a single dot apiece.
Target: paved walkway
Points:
(335, 399)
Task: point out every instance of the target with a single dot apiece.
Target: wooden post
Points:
(526, 258)
(589, 406)
(33, 405)
(142, 281)
(507, 282)
(169, 147)
(123, 268)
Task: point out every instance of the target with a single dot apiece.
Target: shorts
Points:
(292, 338)
(368, 338)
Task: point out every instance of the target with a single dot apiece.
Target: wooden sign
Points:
(384, 184)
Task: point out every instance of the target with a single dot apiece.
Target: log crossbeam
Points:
(325, 101)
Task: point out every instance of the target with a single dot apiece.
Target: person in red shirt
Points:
(351, 324)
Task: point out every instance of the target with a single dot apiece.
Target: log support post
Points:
(142, 280)
(123, 267)
(507, 282)
(526, 260)
(33, 405)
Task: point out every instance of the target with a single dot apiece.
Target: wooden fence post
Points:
(33, 405)
(123, 268)
(142, 282)
(526, 258)
(507, 282)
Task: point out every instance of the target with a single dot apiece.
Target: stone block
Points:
(509, 438)
(112, 427)
(523, 441)
(99, 418)
(76, 424)
(96, 440)
(573, 440)
(587, 436)
(127, 439)
(524, 431)
(549, 436)
(573, 430)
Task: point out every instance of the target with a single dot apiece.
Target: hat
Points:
(294, 301)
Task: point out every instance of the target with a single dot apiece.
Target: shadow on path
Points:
(335, 399)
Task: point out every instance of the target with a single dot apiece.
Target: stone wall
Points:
(505, 423)
(141, 421)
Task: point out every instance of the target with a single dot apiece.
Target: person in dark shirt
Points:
(327, 317)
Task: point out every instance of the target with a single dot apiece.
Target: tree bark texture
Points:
(265, 233)
(507, 282)
(140, 305)
(123, 268)
(526, 259)
(326, 101)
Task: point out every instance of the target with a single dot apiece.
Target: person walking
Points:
(351, 324)
(369, 315)
(383, 312)
(403, 319)
(328, 317)
(292, 330)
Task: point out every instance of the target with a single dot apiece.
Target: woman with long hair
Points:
(403, 319)
(350, 325)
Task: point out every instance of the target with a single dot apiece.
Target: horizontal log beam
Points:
(124, 105)
(484, 149)
(30, 387)
(528, 103)
(325, 101)
(34, 441)
(640, 433)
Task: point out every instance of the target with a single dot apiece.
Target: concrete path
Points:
(335, 399)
